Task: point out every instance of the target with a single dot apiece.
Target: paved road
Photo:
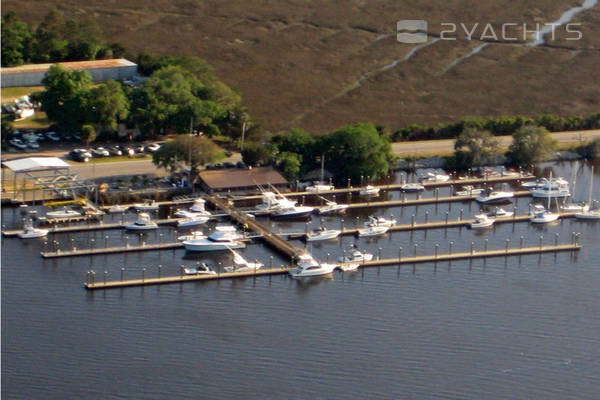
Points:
(447, 146)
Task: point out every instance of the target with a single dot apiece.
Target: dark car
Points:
(127, 150)
(241, 164)
(228, 164)
(115, 151)
(80, 155)
(139, 148)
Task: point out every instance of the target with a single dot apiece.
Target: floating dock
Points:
(104, 283)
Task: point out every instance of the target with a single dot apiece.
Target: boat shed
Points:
(100, 70)
(241, 179)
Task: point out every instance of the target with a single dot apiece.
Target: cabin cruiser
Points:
(356, 256)
(64, 213)
(322, 234)
(293, 211)
(146, 206)
(192, 220)
(307, 267)
(331, 207)
(241, 265)
(380, 221)
(469, 190)
(197, 209)
(223, 238)
(272, 202)
(481, 221)
(534, 184)
(143, 223)
(369, 190)
(543, 216)
(199, 269)
(319, 187)
(491, 196)
(117, 208)
(30, 232)
(412, 187)
(373, 231)
(553, 188)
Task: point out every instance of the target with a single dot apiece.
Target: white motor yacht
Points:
(544, 216)
(331, 207)
(272, 202)
(501, 212)
(369, 190)
(373, 231)
(433, 178)
(319, 187)
(380, 221)
(192, 220)
(199, 269)
(117, 209)
(554, 188)
(199, 207)
(492, 196)
(146, 206)
(64, 213)
(307, 267)
(322, 234)
(481, 221)
(356, 255)
(241, 265)
(534, 184)
(143, 223)
(30, 232)
(223, 238)
(412, 187)
(292, 212)
(192, 235)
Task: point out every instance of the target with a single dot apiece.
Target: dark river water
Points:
(518, 328)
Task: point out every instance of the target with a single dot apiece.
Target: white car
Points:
(53, 136)
(18, 143)
(32, 144)
(100, 152)
(152, 147)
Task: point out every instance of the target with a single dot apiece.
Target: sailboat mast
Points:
(591, 188)
(550, 192)
(322, 167)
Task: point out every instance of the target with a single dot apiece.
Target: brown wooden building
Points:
(241, 179)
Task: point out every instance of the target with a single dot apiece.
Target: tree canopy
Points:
(474, 147)
(189, 151)
(531, 144)
(16, 40)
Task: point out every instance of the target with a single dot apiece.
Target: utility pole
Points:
(243, 135)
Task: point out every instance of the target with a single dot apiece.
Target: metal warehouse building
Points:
(100, 70)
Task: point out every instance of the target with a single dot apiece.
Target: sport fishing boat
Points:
(241, 265)
(380, 221)
(322, 234)
(143, 223)
(331, 207)
(30, 232)
(491, 196)
(352, 261)
(199, 207)
(481, 221)
(223, 238)
(308, 267)
(199, 269)
(292, 212)
(64, 213)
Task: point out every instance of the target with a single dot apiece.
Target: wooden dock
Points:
(434, 225)
(102, 282)
(90, 227)
(396, 186)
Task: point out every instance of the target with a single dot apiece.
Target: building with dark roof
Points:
(100, 70)
(241, 179)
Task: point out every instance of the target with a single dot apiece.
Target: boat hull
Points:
(213, 246)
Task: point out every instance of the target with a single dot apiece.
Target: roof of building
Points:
(220, 179)
(35, 164)
(71, 65)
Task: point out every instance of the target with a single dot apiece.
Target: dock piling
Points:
(541, 239)
(122, 274)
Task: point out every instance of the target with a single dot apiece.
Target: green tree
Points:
(188, 151)
(66, 97)
(49, 42)
(16, 40)
(7, 131)
(88, 134)
(531, 145)
(255, 153)
(289, 164)
(108, 105)
(474, 148)
(356, 150)
(591, 150)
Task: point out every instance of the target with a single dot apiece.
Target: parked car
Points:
(32, 144)
(152, 147)
(115, 151)
(228, 164)
(18, 143)
(80, 155)
(100, 152)
(127, 150)
(241, 164)
(53, 136)
(139, 148)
